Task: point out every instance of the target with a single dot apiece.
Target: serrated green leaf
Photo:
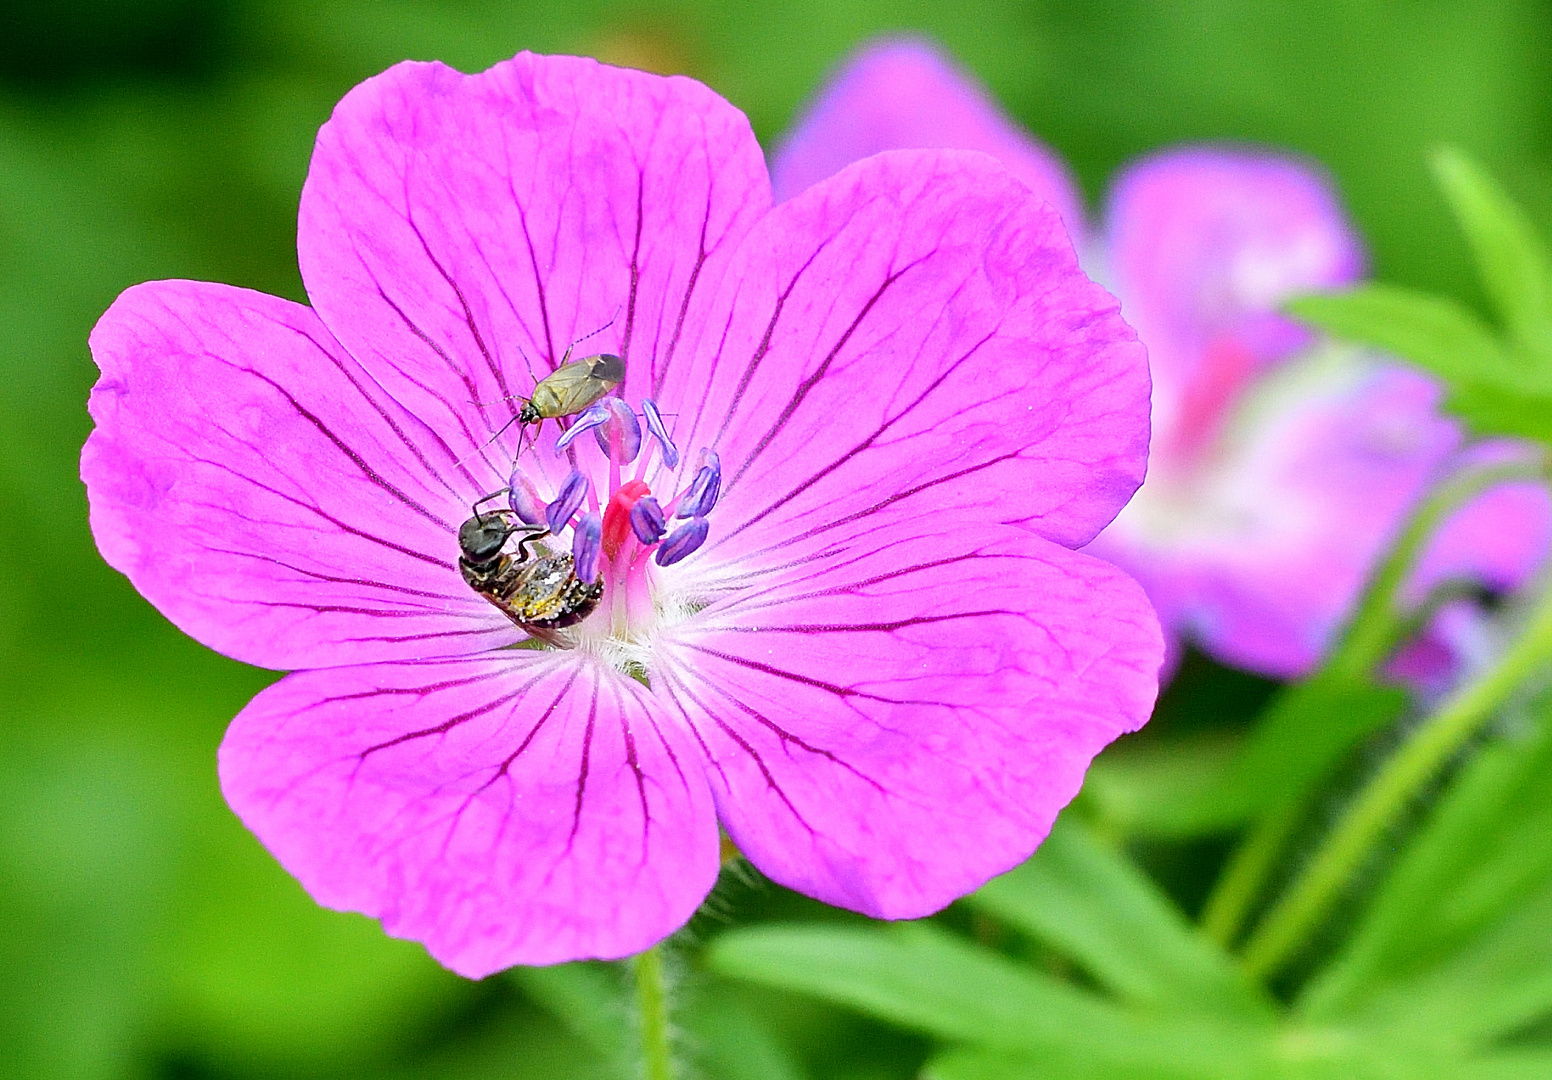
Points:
(1303, 734)
(922, 978)
(1510, 258)
(1484, 847)
(1491, 390)
(1093, 905)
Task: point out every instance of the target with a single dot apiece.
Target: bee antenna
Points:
(485, 499)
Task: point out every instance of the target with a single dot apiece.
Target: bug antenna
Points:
(528, 364)
(591, 334)
(600, 330)
(487, 443)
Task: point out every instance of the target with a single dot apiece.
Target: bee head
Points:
(482, 537)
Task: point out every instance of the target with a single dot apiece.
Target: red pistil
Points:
(617, 515)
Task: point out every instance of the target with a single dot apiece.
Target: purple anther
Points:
(594, 416)
(524, 499)
(660, 432)
(704, 489)
(681, 542)
(572, 492)
(587, 547)
(647, 520)
(621, 425)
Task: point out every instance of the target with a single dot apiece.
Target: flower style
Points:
(833, 508)
(1281, 467)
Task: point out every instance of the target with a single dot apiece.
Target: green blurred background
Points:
(142, 932)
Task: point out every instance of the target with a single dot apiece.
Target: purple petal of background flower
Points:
(1268, 503)
(258, 487)
(904, 94)
(1208, 242)
(514, 808)
(1259, 552)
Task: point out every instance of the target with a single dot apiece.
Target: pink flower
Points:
(1280, 468)
(832, 509)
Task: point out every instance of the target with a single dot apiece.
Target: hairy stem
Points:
(1376, 627)
(652, 1015)
(1392, 788)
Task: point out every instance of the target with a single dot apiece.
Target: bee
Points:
(540, 593)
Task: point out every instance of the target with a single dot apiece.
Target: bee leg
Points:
(531, 533)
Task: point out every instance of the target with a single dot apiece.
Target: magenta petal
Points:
(896, 725)
(458, 232)
(903, 94)
(521, 808)
(1207, 243)
(265, 494)
(912, 336)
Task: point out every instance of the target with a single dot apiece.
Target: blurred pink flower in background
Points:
(1281, 467)
(872, 654)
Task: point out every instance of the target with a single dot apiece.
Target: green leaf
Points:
(1509, 255)
(1433, 332)
(1499, 982)
(1303, 734)
(924, 979)
(1094, 906)
(729, 1040)
(977, 1064)
(1482, 849)
(1513, 1065)
(1489, 388)
(1297, 1055)
(591, 1000)
(595, 1003)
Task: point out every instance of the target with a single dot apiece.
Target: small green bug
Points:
(572, 387)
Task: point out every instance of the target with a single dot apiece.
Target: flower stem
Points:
(1381, 801)
(1376, 627)
(652, 1008)
(1244, 876)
